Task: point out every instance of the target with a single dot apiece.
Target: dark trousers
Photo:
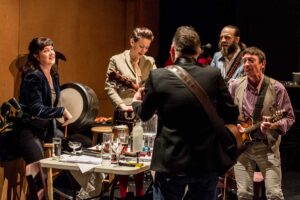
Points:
(30, 146)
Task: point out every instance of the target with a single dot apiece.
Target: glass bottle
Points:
(137, 137)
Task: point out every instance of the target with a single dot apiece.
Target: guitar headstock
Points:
(121, 80)
(278, 115)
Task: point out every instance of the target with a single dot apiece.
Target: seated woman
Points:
(39, 95)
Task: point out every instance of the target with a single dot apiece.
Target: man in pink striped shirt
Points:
(259, 97)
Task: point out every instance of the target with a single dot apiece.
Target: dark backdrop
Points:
(273, 26)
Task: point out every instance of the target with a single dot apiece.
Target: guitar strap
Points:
(260, 100)
(234, 66)
(203, 98)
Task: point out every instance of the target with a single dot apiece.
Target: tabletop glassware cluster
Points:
(118, 147)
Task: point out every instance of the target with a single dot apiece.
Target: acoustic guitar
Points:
(228, 182)
(247, 136)
(121, 80)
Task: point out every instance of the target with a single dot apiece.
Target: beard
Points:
(232, 48)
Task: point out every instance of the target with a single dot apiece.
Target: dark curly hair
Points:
(35, 46)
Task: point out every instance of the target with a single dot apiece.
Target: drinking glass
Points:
(56, 151)
(106, 151)
(148, 139)
(150, 126)
(150, 129)
(123, 137)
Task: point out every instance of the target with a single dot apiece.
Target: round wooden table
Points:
(99, 130)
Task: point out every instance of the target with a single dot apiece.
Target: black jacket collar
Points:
(185, 60)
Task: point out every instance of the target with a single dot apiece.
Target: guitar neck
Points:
(252, 128)
(122, 80)
(276, 117)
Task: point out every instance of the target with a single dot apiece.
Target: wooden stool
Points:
(47, 154)
(99, 130)
(13, 184)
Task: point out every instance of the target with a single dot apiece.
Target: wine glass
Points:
(74, 145)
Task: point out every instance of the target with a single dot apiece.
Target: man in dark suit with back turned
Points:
(185, 147)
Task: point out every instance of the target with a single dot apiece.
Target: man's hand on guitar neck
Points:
(266, 125)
